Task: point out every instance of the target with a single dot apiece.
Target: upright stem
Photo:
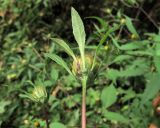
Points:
(46, 115)
(83, 117)
(47, 122)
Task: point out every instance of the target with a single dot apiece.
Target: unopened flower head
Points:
(77, 65)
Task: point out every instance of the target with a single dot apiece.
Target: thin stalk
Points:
(47, 122)
(46, 115)
(83, 117)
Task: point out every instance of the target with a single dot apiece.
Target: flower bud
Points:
(77, 65)
(36, 124)
(133, 37)
(26, 122)
(11, 76)
(39, 94)
(123, 21)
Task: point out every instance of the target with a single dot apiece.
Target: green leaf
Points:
(122, 58)
(108, 96)
(115, 42)
(78, 29)
(157, 49)
(156, 38)
(113, 116)
(59, 61)
(157, 63)
(54, 74)
(112, 74)
(64, 46)
(57, 125)
(102, 22)
(103, 40)
(152, 87)
(130, 26)
(133, 45)
(3, 104)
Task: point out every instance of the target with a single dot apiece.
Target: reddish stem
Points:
(83, 120)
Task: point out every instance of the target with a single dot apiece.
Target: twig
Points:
(150, 19)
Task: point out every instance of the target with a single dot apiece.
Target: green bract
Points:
(77, 65)
(38, 94)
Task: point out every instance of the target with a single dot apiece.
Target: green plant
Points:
(83, 65)
(123, 44)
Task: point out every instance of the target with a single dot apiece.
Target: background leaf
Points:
(130, 26)
(113, 116)
(57, 125)
(152, 87)
(108, 96)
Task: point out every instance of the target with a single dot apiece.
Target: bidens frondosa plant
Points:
(82, 64)
(38, 94)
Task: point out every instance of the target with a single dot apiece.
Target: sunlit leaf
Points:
(78, 29)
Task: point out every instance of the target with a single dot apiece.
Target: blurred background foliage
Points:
(130, 61)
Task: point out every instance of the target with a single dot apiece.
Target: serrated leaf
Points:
(152, 87)
(122, 58)
(113, 74)
(133, 45)
(130, 26)
(57, 125)
(65, 46)
(59, 61)
(78, 29)
(113, 116)
(136, 68)
(108, 96)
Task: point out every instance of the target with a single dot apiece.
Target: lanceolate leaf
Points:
(59, 61)
(78, 30)
(113, 116)
(133, 45)
(130, 26)
(65, 47)
(108, 96)
(152, 87)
